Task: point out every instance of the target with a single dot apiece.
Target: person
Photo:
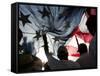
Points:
(92, 27)
(26, 61)
(63, 63)
(46, 67)
(84, 60)
(24, 45)
(82, 49)
(90, 60)
(27, 46)
(29, 63)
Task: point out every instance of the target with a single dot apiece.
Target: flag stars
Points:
(24, 18)
(37, 35)
(44, 13)
(56, 39)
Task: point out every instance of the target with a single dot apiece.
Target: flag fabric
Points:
(83, 36)
(56, 22)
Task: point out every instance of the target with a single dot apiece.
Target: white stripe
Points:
(82, 25)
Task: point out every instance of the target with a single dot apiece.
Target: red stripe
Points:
(87, 37)
(76, 55)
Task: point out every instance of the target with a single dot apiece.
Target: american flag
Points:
(57, 23)
(83, 35)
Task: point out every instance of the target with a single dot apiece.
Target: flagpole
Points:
(77, 41)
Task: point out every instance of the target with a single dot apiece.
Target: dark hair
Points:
(91, 22)
(82, 48)
(46, 66)
(62, 53)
